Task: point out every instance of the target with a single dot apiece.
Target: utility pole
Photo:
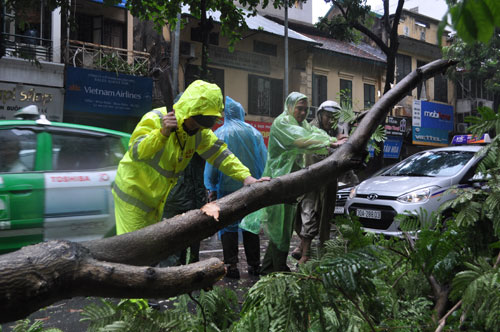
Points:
(175, 56)
(285, 85)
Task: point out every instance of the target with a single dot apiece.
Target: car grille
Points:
(341, 198)
(387, 198)
(387, 214)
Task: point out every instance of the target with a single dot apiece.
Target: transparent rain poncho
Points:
(245, 142)
(288, 142)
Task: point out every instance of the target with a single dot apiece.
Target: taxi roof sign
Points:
(470, 139)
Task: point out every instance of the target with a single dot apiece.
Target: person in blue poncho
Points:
(248, 146)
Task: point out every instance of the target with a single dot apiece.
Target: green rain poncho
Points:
(288, 142)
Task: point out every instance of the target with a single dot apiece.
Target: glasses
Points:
(301, 108)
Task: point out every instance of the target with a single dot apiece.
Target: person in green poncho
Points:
(290, 138)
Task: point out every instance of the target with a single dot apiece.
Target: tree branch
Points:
(39, 275)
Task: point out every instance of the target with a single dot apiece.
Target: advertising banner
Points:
(263, 127)
(107, 92)
(431, 123)
(16, 96)
(392, 147)
(395, 126)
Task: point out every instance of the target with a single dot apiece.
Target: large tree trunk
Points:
(38, 275)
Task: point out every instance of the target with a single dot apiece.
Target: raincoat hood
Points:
(233, 110)
(289, 141)
(244, 141)
(292, 100)
(200, 98)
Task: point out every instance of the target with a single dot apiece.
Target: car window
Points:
(78, 152)
(17, 150)
(432, 163)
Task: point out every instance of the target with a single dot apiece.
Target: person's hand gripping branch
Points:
(249, 180)
(168, 124)
(341, 139)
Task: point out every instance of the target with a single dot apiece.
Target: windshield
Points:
(431, 163)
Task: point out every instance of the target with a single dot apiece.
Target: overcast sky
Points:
(432, 8)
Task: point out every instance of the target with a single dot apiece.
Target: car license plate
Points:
(339, 210)
(370, 214)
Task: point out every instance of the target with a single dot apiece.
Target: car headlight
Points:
(352, 193)
(417, 196)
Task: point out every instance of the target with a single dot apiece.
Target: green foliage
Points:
(479, 289)
(476, 61)
(114, 62)
(25, 325)
(338, 28)
(475, 20)
(343, 26)
(347, 115)
(218, 311)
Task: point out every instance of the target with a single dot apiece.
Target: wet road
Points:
(65, 315)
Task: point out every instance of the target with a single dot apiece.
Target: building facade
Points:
(103, 71)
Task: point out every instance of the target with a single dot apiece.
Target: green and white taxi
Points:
(55, 181)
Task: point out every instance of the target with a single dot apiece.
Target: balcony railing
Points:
(107, 58)
(27, 47)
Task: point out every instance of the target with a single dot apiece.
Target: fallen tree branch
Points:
(58, 270)
(39, 275)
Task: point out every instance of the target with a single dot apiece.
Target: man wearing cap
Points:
(161, 146)
(316, 208)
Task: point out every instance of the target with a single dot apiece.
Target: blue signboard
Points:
(106, 92)
(119, 3)
(430, 136)
(431, 123)
(392, 147)
(371, 149)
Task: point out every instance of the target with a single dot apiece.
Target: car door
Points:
(78, 200)
(21, 188)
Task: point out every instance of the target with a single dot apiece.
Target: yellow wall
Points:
(349, 68)
(409, 24)
(303, 62)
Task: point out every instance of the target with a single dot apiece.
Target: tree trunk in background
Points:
(147, 39)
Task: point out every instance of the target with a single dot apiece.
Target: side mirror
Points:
(479, 180)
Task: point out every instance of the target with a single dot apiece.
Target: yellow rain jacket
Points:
(150, 168)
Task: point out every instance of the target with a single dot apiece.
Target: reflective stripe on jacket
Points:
(150, 168)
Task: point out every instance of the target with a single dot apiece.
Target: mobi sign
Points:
(107, 92)
(431, 123)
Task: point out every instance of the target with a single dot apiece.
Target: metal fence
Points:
(27, 47)
(102, 57)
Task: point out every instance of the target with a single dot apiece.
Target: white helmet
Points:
(329, 106)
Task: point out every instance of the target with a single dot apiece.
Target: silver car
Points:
(420, 181)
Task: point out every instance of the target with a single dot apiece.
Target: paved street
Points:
(66, 315)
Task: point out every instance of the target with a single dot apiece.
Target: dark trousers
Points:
(194, 254)
(251, 243)
(274, 260)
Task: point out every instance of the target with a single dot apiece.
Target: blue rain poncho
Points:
(248, 146)
(289, 141)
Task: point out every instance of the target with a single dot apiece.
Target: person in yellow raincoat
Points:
(161, 146)
(290, 138)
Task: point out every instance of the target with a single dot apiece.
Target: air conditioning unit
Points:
(476, 103)
(462, 128)
(187, 50)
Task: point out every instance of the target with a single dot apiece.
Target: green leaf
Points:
(494, 7)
